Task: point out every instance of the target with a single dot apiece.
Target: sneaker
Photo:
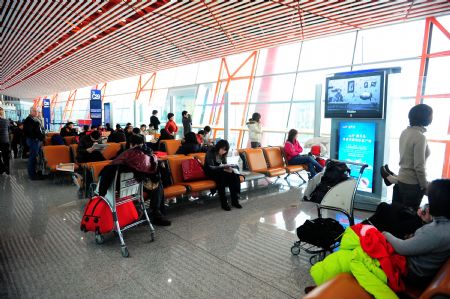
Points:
(77, 180)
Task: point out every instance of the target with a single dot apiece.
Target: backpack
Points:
(320, 232)
(57, 140)
(335, 173)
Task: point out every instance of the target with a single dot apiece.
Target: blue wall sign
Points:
(96, 107)
(46, 113)
(357, 144)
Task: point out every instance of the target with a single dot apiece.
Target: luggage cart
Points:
(125, 188)
(339, 198)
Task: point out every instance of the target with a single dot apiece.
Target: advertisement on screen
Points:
(46, 114)
(357, 144)
(355, 96)
(96, 107)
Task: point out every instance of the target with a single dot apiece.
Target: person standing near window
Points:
(4, 143)
(255, 130)
(412, 181)
(34, 133)
(171, 126)
(187, 122)
(154, 121)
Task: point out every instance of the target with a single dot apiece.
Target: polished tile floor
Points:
(206, 253)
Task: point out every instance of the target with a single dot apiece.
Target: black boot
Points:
(224, 204)
(386, 167)
(158, 219)
(384, 175)
(235, 203)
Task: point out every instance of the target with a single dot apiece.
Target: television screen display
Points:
(355, 96)
(357, 144)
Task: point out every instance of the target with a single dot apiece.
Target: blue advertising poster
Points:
(107, 111)
(46, 113)
(357, 144)
(96, 107)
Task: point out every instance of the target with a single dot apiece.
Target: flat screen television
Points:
(357, 144)
(358, 95)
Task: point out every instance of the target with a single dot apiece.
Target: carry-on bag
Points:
(192, 170)
(98, 218)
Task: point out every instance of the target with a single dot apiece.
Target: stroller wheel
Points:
(295, 250)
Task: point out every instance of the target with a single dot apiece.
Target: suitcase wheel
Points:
(99, 239)
(124, 251)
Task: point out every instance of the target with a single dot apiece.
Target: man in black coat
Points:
(34, 134)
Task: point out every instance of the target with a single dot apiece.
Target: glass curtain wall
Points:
(282, 86)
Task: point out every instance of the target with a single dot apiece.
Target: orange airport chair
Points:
(177, 176)
(171, 146)
(257, 163)
(69, 140)
(274, 157)
(56, 154)
(112, 151)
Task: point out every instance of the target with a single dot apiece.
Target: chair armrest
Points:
(343, 286)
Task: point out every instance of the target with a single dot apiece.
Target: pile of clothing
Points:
(367, 255)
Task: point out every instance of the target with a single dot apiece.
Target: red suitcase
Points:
(98, 218)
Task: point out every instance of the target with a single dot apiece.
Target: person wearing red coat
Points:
(171, 126)
(293, 150)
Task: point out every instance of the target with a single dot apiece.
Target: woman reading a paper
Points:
(217, 169)
(90, 147)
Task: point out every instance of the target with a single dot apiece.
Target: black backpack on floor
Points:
(321, 232)
(335, 172)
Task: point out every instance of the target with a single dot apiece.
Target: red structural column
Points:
(430, 24)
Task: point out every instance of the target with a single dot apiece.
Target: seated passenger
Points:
(85, 131)
(429, 248)
(144, 130)
(163, 136)
(190, 145)
(117, 136)
(68, 130)
(200, 137)
(217, 169)
(293, 150)
(108, 128)
(86, 152)
(142, 161)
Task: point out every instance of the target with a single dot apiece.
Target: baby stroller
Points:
(322, 235)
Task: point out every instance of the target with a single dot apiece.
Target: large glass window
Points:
(389, 42)
(327, 52)
(438, 76)
(278, 60)
(273, 88)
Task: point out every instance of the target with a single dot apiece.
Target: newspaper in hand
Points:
(99, 146)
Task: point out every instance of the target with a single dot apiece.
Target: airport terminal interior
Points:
(225, 149)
